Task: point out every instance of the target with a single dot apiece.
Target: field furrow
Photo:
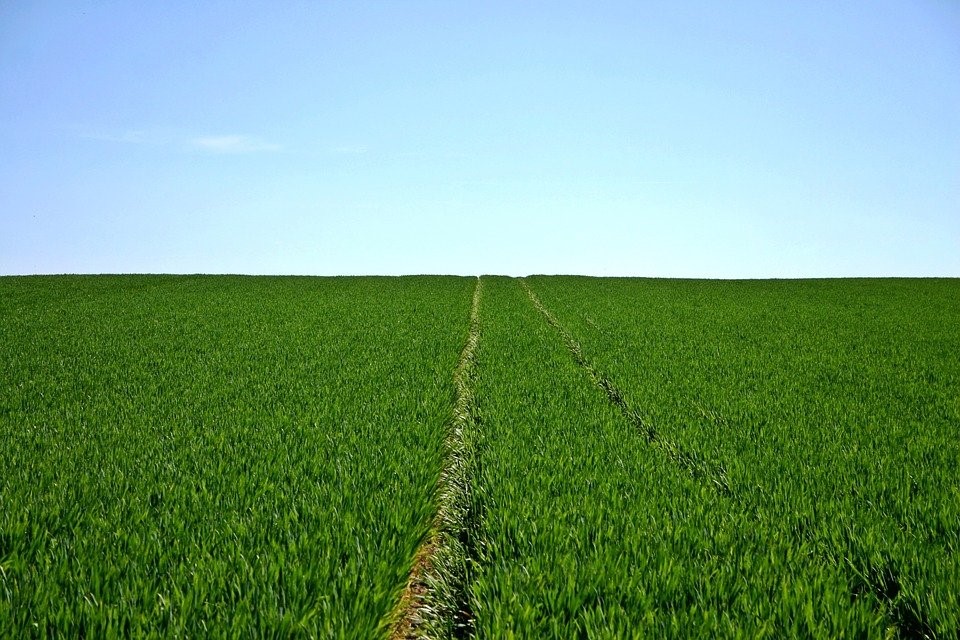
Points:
(433, 603)
(692, 461)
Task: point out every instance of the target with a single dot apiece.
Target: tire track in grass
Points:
(882, 581)
(698, 465)
(433, 604)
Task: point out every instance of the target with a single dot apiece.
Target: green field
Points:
(542, 457)
(241, 454)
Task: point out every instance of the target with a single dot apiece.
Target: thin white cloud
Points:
(233, 144)
(349, 150)
(126, 137)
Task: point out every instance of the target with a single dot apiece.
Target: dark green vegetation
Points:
(826, 414)
(627, 457)
(185, 454)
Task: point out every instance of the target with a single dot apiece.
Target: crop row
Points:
(433, 603)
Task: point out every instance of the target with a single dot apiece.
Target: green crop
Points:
(590, 531)
(550, 457)
(238, 456)
(829, 408)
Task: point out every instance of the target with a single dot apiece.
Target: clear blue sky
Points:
(712, 139)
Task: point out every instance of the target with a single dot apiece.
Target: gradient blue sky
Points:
(710, 139)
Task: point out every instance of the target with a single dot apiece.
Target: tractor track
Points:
(433, 603)
(695, 463)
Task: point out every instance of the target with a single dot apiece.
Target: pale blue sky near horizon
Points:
(678, 139)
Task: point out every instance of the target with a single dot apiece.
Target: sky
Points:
(665, 139)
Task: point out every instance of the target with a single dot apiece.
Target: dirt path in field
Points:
(433, 602)
(695, 463)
